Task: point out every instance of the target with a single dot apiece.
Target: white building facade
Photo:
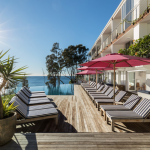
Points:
(130, 21)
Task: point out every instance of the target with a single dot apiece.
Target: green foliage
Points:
(10, 77)
(140, 48)
(25, 81)
(7, 97)
(73, 56)
(8, 109)
(54, 64)
(8, 72)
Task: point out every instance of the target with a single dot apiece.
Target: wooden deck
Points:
(78, 114)
(79, 141)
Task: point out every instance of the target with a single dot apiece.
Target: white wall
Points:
(136, 34)
(116, 48)
(119, 77)
(148, 28)
(148, 80)
(141, 30)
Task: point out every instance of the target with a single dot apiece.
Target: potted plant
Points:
(8, 123)
(7, 114)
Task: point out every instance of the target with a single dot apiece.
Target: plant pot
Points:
(7, 128)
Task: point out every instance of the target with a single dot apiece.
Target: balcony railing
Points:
(132, 17)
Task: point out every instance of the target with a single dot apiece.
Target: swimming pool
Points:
(62, 89)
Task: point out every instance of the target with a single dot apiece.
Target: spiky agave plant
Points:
(8, 109)
(9, 74)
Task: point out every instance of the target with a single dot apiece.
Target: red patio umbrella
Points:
(117, 60)
(96, 69)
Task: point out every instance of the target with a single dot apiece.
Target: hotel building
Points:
(130, 21)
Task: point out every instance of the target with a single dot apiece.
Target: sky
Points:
(30, 27)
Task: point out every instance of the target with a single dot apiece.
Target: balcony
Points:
(133, 17)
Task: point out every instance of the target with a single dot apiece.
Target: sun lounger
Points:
(34, 115)
(89, 88)
(32, 95)
(32, 101)
(110, 101)
(34, 91)
(139, 114)
(105, 95)
(36, 107)
(100, 92)
(106, 100)
(89, 83)
(110, 95)
(128, 105)
(94, 90)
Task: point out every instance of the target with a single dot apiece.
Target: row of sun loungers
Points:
(133, 110)
(33, 106)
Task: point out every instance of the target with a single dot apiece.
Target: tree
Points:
(25, 81)
(54, 64)
(73, 56)
(9, 75)
(140, 48)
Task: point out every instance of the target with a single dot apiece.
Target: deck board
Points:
(77, 141)
(77, 113)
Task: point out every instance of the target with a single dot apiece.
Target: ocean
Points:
(40, 80)
(37, 83)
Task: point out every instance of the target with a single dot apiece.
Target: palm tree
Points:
(9, 75)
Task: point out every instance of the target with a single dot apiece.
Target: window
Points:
(126, 8)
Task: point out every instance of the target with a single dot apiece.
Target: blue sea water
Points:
(37, 83)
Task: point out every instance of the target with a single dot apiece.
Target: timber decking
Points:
(78, 141)
(77, 113)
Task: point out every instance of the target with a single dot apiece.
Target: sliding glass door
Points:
(131, 79)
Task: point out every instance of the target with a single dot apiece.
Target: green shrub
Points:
(8, 109)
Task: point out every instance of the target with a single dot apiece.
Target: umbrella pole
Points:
(96, 79)
(114, 82)
(89, 79)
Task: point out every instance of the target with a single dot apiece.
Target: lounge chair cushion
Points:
(34, 113)
(99, 97)
(33, 101)
(104, 100)
(32, 95)
(114, 108)
(36, 107)
(132, 101)
(123, 115)
(41, 113)
(143, 108)
(103, 96)
(101, 92)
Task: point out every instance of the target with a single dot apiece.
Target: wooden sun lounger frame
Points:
(98, 104)
(25, 120)
(124, 120)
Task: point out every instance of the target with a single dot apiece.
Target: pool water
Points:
(62, 89)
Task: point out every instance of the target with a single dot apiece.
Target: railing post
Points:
(111, 37)
(123, 26)
(147, 7)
